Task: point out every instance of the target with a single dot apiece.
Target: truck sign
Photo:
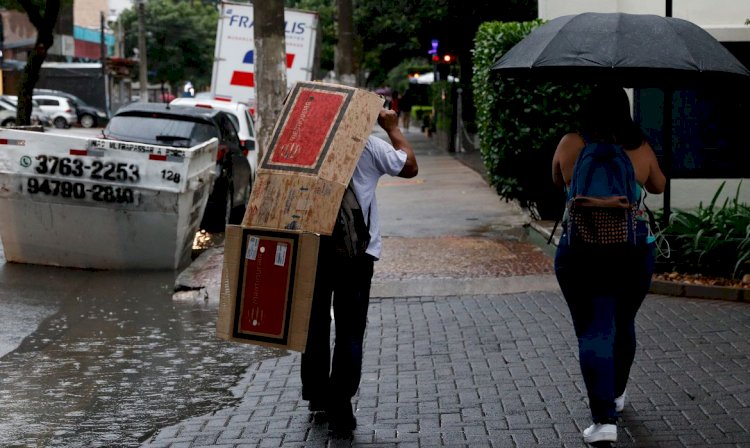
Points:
(233, 77)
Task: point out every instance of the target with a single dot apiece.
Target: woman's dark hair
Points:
(605, 116)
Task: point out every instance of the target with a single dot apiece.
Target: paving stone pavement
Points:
(500, 370)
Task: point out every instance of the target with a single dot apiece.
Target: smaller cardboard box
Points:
(267, 287)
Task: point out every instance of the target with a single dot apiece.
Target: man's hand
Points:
(388, 120)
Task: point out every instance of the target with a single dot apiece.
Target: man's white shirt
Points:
(378, 158)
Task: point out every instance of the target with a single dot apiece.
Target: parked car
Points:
(182, 126)
(38, 116)
(61, 110)
(7, 118)
(242, 118)
(86, 115)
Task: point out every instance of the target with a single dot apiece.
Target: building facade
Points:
(723, 19)
(78, 34)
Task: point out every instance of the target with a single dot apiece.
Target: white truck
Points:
(83, 202)
(233, 76)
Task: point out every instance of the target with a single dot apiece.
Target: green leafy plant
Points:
(710, 240)
(520, 122)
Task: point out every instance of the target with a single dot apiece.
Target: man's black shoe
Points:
(341, 421)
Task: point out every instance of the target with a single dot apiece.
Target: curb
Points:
(539, 233)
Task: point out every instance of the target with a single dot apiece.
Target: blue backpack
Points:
(601, 201)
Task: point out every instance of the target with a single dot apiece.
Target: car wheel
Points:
(60, 123)
(9, 122)
(88, 121)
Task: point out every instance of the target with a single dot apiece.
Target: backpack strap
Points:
(369, 209)
(649, 213)
(552, 234)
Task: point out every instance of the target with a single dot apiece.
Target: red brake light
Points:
(205, 106)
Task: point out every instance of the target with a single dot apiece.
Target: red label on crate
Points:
(266, 284)
(307, 127)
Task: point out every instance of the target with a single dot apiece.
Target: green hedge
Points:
(520, 122)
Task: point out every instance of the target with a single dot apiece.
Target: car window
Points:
(235, 121)
(249, 121)
(202, 132)
(159, 131)
(229, 130)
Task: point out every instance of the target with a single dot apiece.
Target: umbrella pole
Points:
(667, 143)
(667, 148)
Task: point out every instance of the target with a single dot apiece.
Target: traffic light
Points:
(444, 64)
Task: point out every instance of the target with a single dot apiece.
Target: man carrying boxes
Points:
(281, 272)
(330, 389)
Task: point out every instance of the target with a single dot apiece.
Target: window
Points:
(159, 130)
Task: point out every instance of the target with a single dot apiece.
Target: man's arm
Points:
(388, 120)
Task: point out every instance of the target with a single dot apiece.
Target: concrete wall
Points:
(707, 14)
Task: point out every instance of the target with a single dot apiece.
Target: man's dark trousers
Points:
(347, 282)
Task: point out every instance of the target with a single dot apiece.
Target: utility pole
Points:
(142, 60)
(103, 59)
(2, 54)
(344, 57)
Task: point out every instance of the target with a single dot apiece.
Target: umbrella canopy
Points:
(632, 50)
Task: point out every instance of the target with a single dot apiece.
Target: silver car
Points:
(61, 110)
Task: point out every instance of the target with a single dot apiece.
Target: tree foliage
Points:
(181, 37)
(403, 29)
(398, 30)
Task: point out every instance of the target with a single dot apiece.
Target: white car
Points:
(241, 116)
(61, 110)
(10, 103)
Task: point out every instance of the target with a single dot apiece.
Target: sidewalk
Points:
(469, 353)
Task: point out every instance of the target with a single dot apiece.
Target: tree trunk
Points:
(344, 60)
(44, 25)
(270, 68)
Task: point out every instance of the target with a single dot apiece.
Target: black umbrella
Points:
(632, 50)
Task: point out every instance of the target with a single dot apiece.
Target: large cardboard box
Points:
(267, 286)
(314, 148)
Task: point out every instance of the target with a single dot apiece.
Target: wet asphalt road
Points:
(114, 356)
